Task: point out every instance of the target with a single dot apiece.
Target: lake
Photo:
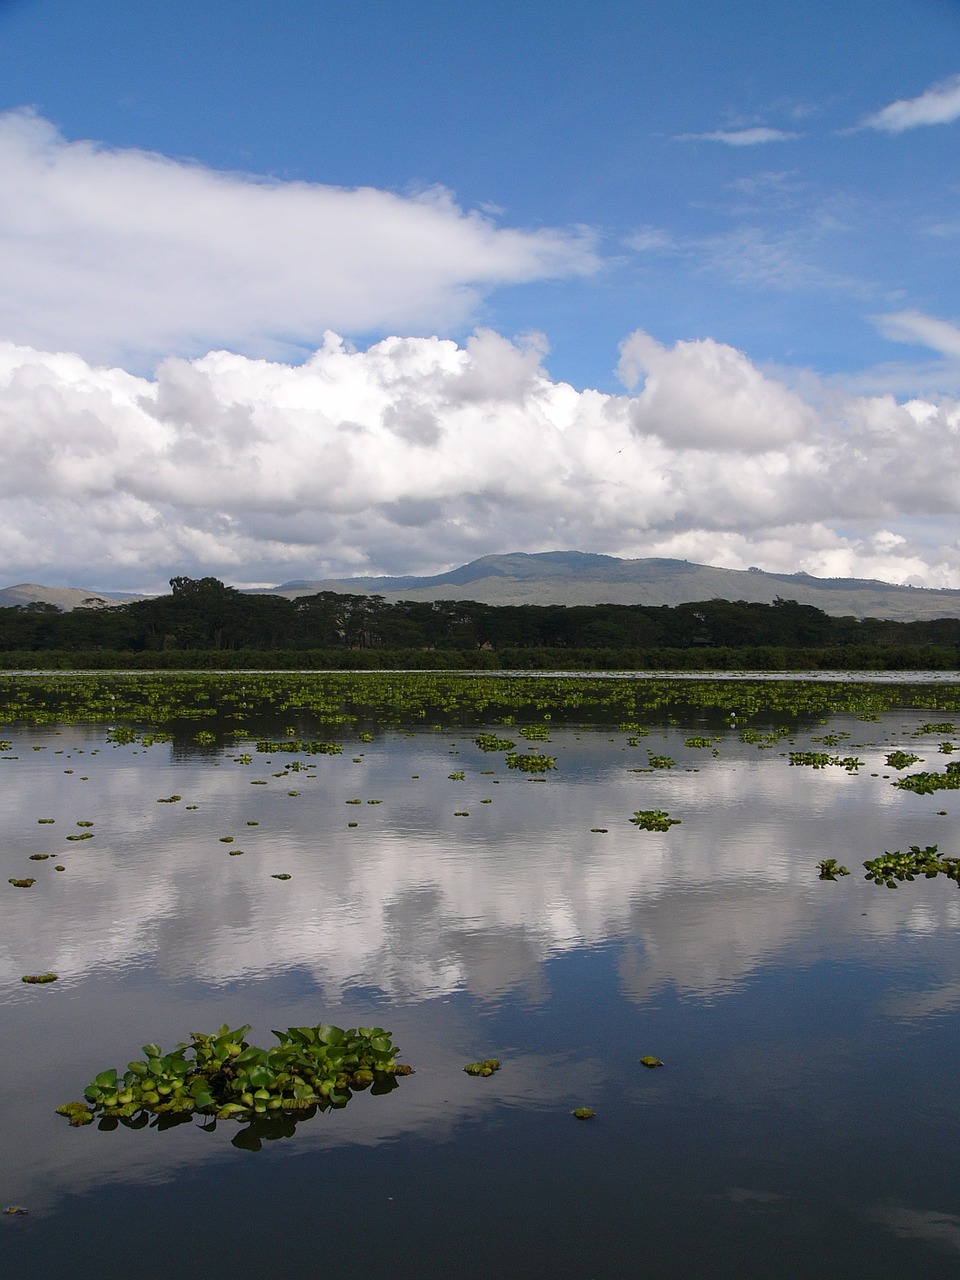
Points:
(803, 1122)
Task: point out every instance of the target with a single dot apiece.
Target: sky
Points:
(301, 289)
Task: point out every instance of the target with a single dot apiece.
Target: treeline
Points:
(203, 616)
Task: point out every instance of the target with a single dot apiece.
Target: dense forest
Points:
(203, 616)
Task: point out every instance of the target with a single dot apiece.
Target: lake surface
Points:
(805, 1121)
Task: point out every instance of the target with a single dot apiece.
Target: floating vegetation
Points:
(39, 857)
(583, 1113)
(946, 748)
(39, 979)
(648, 1060)
(224, 1077)
(25, 883)
(926, 783)
(46, 822)
(936, 727)
(168, 800)
(485, 1068)
(461, 813)
(599, 831)
(281, 875)
(458, 776)
(490, 742)
(894, 868)
(308, 748)
(234, 853)
(535, 732)
(901, 759)
(357, 801)
(698, 742)
(531, 762)
(205, 738)
(81, 835)
(820, 760)
(15, 1209)
(226, 839)
(654, 820)
(660, 762)
(830, 869)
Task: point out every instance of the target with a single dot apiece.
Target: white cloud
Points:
(120, 253)
(740, 137)
(924, 330)
(417, 454)
(940, 104)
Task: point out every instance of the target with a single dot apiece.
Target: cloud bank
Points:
(124, 254)
(740, 137)
(417, 454)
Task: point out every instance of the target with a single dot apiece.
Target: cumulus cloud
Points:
(940, 104)
(417, 454)
(119, 253)
(740, 137)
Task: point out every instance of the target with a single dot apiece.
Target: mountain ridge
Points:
(588, 578)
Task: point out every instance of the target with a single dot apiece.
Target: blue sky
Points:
(715, 242)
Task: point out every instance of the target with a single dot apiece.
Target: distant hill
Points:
(578, 577)
(65, 598)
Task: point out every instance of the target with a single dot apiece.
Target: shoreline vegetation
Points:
(205, 625)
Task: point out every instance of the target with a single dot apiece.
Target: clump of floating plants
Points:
(308, 748)
(530, 762)
(648, 1060)
(485, 1068)
(224, 1077)
(39, 979)
(698, 742)
(896, 867)
(654, 820)
(535, 732)
(490, 742)
(926, 783)
(901, 759)
(26, 883)
(660, 762)
(584, 1113)
(830, 869)
(820, 760)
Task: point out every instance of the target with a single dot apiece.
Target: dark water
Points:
(805, 1122)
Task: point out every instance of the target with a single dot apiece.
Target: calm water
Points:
(805, 1122)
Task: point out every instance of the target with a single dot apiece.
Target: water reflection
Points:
(542, 928)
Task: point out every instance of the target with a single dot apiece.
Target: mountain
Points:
(578, 577)
(65, 598)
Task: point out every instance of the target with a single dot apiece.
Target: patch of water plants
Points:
(901, 759)
(308, 748)
(821, 760)
(530, 762)
(654, 820)
(490, 742)
(926, 783)
(223, 1077)
(893, 868)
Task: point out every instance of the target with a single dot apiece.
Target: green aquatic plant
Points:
(901, 759)
(648, 1060)
(45, 822)
(39, 978)
(938, 726)
(583, 1113)
(490, 742)
(25, 883)
(820, 760)
(530, 762)
(81, 835)
(485, 1068)
(205, 738)
(946, 748)
(698, 742)
(926, 783)
(894, 868)
(654, 820)
(224, 1077)
(281, 875)
(308, 748)
(660, 762)
(458, 776)
(168, 799)
(39, 857)
(830, 869)
(535, 732)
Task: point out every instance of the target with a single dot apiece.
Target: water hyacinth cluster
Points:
(531, 762)
(820, 760)
(654, 820)
(308, 748)
(490, 742)
(896, 867)
(221, 1075)
(485, 1068)
(926, 783)
(830, 869)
